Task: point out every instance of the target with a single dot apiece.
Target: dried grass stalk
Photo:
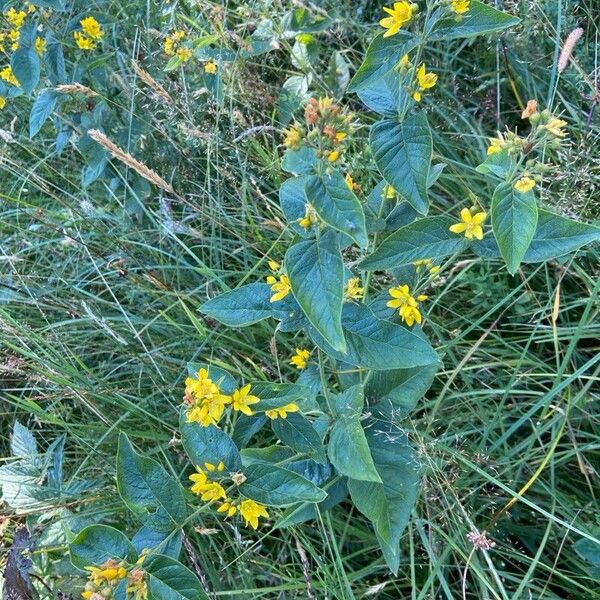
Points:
(126, 158)
(158, 89)
(568, 47)
(75, 88)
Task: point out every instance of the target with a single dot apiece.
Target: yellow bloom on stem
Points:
(404, 61)
(400, 14)
(407, 305)
(282, 411)
(211, 67)
(206, 489)
(2, 102)
(184, 54)
(555, 126)
(390, 192)
(349, 181)
(228, 507)
(470, 224)
(273, 265)
(300, 359)
(212, 468)
(460, 6)
(281, 287)
(353, 290)
(92, 28)
(40, 45)
(309, 219)
(496, 145)
(137, 584)
(205, 400)
(14, 36)
(7, 75)
(16, 18)
(242, 400)
(524, 185)
(108, 572)
(426, 80)
(333, 155)
(83, 41)
(293, 137)
(251, 511)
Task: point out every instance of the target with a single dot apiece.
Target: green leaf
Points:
(168, 579)
(554, 236)
(388, 505)
(300, 162)
(292, 200)
(399, 391)
(337, 205)
(481, 18)
(425, 238)
(348, 449)
(378, 344)
(96, 544)
(25, 64)
(243, 306)
(386, 95)
(499, 164)
(383, 54)
(402, 151)
(298, 433)
(208, 444)
(274, 486)
(274, 395)
(316, 273)
(55, 4)
(147, 489)
(43, 106)
(514, 221)
(160, 542)
(22, 442)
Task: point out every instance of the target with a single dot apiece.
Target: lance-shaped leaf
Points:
(554, 236)
(275, 486)
(316, 273)
(514, 220)
(479, 19)
(298, 433)
(292, 200)
(147, 489)
(337, 205)
(402, 151)
(383, 54)
(168, 579)
(274, 395)
(376, 343)
(425, 238)
(388, 505)
(96, 544)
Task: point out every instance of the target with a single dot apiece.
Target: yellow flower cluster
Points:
(460, 7)
(279, 282)
(399, 15)
(426, 263)
(524, 185)
(353, 289)
(103, 579)
(281, 412)
(470, 224)
(90, 34)
(352, 185)
(173, 47)
(206, 403)
(207, 485)
(211, 67)
(424, 81)
(309, 219)
(293, 137)
(407, 305)
(7, 75)
(300, 359)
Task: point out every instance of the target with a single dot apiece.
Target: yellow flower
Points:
(340, 136)
(353, 291)
(425, 81)
(184, 54)
(524, 185)
(92, 28)
(2, 102)
(293, 137)
(400, 14)
(110, 571)
(251, 511)
(349, 181)
(8, 76)
(333, 155)
(274, 265)
(30, 7)
(407, 305)
(460, 6)
(390, 192)
(211, 67)
(496, 145)
(417, 96)
(228, 507)
(206, 402)
(16, 18)
(14, 37)
(210, 467)
(207, 490)
(555, 126)
(309, 219)
(471, 225)
(242, 400)
(172, 42)
(40, 45)
(404, 61)
(300, 359)
(282, 411)
(83, 42)
(280, 288)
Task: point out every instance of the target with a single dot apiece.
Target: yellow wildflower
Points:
(184, 54)
(137, 585)
(2, 102)
(400, 14)
(333, 155)
(496, 145)
(210, 467)
(242, 400)
(251, 511)
(300, 359)
(206, 489)
(390, 192)
(7, 75)
(280, 288)
(211, 67)
(83, 41)
(40, 45)
(470, 224)
(524, 185)
(353, 290)
(16, 18)
(340, 136)
(228, 507)
(14, 36)
(309, 219)
(404, 61)
(108, 572)
(555, 126)
(425, 81)
(407, 305)
(293, 137)
(427, 264)
(282, 411)
(172, 42)
(460, 6)
(205, 400)
(30, 7)
(274, 265)
(92, 28)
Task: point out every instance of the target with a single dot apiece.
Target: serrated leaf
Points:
(402, 152)
(298, 433)
(514, 221)
(337, 205)
(168, 579)
(147, 489)
(22, 442)
(316, 273)
(96, 544)
(274, 486)
(425, 238)
(479, 19)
